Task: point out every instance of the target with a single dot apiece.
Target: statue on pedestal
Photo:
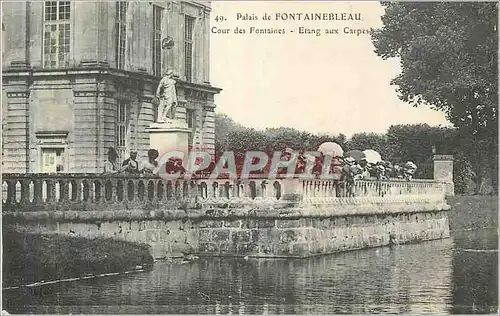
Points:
(166, 95)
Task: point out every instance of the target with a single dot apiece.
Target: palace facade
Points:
(79, 77)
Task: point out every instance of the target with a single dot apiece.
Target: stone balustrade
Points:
(92, 191)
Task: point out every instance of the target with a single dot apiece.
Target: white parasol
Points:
(331, 148)
(372, 156)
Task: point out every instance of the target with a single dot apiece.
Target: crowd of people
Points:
(353, 169)
(131, 165)
(347, 168)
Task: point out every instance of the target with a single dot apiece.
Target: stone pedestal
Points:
(443, 171)
(169, 136)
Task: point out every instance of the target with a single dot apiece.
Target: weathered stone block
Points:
(249, 224)
(192, 236)
(159, 250)
(152, 236)
(289, 236)
(178, 236)
(209, 247)
(246, 249)
(282, 249)
(233, 224)
(288, 223)
(266, 223)
(241, 236)
(221, 235)
(164, 235)
(228, 247)
(211, 224)
(205, 235)
(181, 248)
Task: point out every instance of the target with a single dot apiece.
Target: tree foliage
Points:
(448, 54)
(363, 141)
(401, 143)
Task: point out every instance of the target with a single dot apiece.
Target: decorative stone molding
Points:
(57, 137)
(94, 63)
(443, 157)
(19, 65)
(25, 94)
(146, 98)
(108, 94)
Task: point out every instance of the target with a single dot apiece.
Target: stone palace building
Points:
(79, 77)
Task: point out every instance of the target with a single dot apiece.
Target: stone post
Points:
(169, 137)
(443, 171)
(291, 190)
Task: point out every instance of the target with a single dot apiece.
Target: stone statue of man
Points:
(167, 97)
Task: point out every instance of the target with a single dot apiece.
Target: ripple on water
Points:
(431, 277)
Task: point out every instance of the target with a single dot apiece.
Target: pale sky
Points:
(321, 84)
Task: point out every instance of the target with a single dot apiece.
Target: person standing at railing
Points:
(131, 165)
(349, 172)
(381, 173)
(150, 166)
(111, 165)
(365, 167)
(397, 172)
(409, 170)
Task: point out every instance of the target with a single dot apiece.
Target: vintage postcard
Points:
(249, 157)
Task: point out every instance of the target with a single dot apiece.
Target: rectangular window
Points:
(190, 118)
(56, 34)
(52, 160)
(156, 49)
(121, 33)
(188, 47)
(121, 128)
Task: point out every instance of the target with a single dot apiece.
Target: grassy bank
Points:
(473, 212)
(29, 258)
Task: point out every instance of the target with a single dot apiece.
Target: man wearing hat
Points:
(131, 165)
(381, 173)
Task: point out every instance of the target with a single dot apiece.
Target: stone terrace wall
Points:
(290, 218)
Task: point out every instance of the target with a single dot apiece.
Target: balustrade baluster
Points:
(178, 190)
(119, 190)
(25, 191)
(64, 190)
(185, 190)
(264, 193)
(102, 191)
(169, 191)
(241, 190)
(222, 190)
(214, 192)
(51, 191)
(230, 190)
(37, 191)
(152, 193)
(11, 192)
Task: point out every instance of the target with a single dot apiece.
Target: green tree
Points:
(448, 54)
(363, 141)
(223, 126)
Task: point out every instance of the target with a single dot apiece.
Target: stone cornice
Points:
(130, 76)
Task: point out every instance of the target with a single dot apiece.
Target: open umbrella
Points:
(372, 156)
(356, 154)
(331, 148)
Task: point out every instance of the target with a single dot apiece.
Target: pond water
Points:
(446, 276)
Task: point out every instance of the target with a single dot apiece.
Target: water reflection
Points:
(431, 277)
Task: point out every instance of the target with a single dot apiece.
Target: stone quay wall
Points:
(255, 217)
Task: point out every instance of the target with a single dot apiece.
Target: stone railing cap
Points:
(443, 157)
